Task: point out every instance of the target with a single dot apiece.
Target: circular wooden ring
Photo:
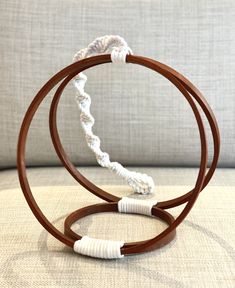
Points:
(165, 71)
(79, 67)
(62, 154)
(113, 207)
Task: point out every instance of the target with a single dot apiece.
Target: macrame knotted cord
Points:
(117, 46)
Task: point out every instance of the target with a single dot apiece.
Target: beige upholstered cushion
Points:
(202, 255)
(154, 123)
(58, 176)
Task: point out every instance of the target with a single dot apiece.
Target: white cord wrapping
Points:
(117, 46)
(130, 205)
(99, 248)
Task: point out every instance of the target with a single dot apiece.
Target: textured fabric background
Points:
(202, 255)
(163, 176)
(140, 117)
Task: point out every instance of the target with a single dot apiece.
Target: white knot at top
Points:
(118, 55)
(104, 45)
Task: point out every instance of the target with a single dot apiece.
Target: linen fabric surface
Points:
(140, 117)
(202, 254)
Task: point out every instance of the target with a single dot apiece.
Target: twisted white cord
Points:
(117, 46)
(99, 248)
(130, 205)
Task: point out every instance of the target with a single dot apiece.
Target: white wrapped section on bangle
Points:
(98, 248)
(118, 55)
(138, 206)
(117, 46)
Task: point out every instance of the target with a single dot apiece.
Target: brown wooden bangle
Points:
(75, 173)
(79, 67)
(168, 73)
(113, 207)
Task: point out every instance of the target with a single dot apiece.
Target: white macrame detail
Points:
(99, 248)
(117, 46)
(138, 206)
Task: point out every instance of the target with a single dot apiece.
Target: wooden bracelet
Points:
(112, 207)
(167, 72)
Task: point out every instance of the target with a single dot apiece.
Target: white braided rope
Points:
(138, 206)
(117, 46)
(98, 248)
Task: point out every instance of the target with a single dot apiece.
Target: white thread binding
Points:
(99, 248)
(117, 46)
(130, 205)
(118, 55)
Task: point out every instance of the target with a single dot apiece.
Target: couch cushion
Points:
(155, 125)
(55, 176)
(202, 255)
